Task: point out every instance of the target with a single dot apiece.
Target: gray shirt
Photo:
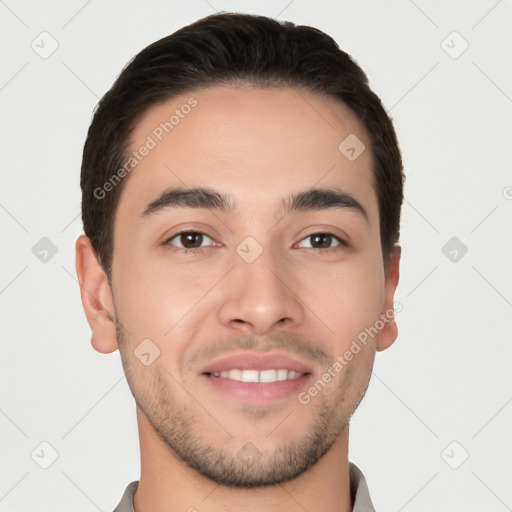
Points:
(358, 491)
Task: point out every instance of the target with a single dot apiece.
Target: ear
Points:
(389, 332)
(96, 297)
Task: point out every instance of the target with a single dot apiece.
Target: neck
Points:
(167, 484)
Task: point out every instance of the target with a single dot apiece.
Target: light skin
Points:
(304, 296)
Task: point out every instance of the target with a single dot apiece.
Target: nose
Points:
(261, 296)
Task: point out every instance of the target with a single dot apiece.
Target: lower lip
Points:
(258, 392)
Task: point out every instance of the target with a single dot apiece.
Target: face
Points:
(245, 315)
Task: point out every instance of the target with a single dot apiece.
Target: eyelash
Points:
(198, 250)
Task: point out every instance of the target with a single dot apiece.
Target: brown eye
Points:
(191, 240)
(188, 240)
(324, 241)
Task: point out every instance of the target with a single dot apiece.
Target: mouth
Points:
(257, 377)
(265, 376)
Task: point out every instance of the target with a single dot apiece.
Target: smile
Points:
(266, 376)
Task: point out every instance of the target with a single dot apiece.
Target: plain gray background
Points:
(433, 432)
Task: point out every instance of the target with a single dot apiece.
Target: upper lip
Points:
(256, 361)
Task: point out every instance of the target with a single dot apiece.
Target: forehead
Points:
(255, 145)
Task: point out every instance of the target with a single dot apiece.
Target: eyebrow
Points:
(208, 198)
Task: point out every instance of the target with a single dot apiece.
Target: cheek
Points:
(154, 300)
(347, 299)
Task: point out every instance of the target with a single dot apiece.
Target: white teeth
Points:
(249, 376)
(235, 374)
(268, 376)
(282, 374)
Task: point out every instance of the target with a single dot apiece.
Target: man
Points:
(242, 188)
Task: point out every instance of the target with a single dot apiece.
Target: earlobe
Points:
(389, 333)
(96, 297)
